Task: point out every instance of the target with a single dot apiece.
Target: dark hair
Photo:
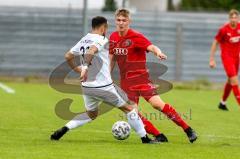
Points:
(98, 21)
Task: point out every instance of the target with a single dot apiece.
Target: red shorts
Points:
(135, 91)
(231, 65)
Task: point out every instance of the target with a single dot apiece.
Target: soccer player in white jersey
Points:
(98, 86)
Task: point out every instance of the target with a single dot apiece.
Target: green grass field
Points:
(27, 119)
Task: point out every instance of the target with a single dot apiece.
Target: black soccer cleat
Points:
(59, 133)
(222, 107)
(192, 136)
(161, 138)
(147, 140)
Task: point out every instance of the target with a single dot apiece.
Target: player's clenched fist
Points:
(212, 63)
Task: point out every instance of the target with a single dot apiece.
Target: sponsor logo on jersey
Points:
(120, 51)
(235, 39)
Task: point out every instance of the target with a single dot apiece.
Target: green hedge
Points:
(209, 5)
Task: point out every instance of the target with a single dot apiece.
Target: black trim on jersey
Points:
(98, 86)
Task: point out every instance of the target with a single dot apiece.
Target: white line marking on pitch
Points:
(6, 88)
(109, 132)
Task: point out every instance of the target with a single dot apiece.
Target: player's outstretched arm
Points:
(212, 62)
(157, 52)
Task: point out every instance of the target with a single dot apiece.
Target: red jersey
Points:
(130, 53)
(229, 40)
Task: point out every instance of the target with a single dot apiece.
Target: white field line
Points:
(6, 88)
(199, 135)
(211, 136)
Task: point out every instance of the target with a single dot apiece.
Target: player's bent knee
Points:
(233, 80)
(127, 108)
(92, 114)
(156, 102)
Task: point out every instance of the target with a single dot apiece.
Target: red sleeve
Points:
(220, 34)
(142, 42)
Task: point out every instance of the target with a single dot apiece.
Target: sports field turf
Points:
(27, 119)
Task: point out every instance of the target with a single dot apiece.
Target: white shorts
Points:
(110, 95)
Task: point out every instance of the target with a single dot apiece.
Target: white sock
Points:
(78, 120)
(136, 123)
(223, 102)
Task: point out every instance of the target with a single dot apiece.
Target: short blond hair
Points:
(233, 12)
(122, 12)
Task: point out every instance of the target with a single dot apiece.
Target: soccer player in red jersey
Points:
(128, 47)
(228, 37)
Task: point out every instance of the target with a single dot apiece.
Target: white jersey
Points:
(99, 71)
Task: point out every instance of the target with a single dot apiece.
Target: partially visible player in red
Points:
(128, 47)
(228, 37)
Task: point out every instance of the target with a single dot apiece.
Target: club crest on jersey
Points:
(126, 43)
(120, 51)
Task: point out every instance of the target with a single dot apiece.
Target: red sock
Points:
(149, 127)
(227, 91)
(236, 93)
(174, 116)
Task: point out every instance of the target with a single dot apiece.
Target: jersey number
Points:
(84, 50)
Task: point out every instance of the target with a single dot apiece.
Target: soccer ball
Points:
(121, 130)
